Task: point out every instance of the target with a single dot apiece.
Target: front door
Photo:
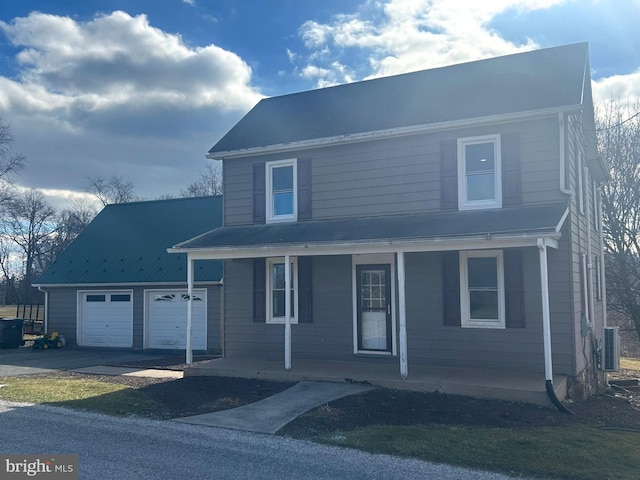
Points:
(374, 307)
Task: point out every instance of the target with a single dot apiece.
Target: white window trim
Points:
(467, 322)
(269, 293)
(463, 203)
(269, 166)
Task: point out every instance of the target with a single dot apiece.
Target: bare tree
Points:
(618, 134)
(10, 161)
(69, 223)
(113, 190)
(209, 183)
(29, 222)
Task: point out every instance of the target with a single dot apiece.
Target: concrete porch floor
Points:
(479, 383)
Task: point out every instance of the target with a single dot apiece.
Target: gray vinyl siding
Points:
(402, 175)
(330, 335)
(62, 313)
(432, 343)
(395, 176)
(583, 238)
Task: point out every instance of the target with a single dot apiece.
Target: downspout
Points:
(546, 328)
(45, 322)
(189, 359)
(402, 316)
(563, 158)
(287, 313)
(591, 303)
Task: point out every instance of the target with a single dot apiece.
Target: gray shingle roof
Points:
(126, 243)
(535, 220)
(550, 78)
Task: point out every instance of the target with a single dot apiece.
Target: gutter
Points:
(45, 323)
(203, 283)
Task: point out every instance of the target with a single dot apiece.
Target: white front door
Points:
(373, 283)
(167, 319)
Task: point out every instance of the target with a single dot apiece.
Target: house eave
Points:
(390, 133)
(123, 284)
(390, 245)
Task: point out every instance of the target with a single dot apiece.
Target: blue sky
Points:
(143, 88)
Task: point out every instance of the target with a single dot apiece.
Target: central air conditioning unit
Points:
(611, 344)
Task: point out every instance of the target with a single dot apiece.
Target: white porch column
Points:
(403, 317)
(287, 313)
(546, 320)
(189, 359)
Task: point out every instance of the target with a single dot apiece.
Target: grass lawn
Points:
(574, 452)
(79, 394)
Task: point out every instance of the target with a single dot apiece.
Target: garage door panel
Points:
(106, 319)
(167, 319)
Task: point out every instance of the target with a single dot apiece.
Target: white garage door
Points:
(106, 319)
(167, 319)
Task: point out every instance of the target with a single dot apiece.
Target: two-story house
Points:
(445, 220)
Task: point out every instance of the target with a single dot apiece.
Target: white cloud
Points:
(118, 59)
(388, 37)
(398, 36)
(116, 95)
(622, 88)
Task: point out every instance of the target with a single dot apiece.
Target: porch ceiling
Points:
(445, 230)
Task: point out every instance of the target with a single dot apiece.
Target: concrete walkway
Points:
(272, 413)
(129, 371)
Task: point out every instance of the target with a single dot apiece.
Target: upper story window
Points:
(281, 194)
(479, 173)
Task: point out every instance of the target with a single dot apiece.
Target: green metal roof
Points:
(126, 243)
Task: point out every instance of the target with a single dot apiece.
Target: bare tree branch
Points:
(618, 135)
(113, 190)
(209, 183)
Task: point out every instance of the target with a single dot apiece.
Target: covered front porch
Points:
(480, 383)
(481, 359)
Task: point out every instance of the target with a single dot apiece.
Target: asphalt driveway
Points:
(26, 361)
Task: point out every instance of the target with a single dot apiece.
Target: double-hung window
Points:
(276, 290)
(479, 173)
(482, 297)
(281, 191)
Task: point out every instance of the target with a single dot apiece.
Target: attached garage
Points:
(166, 319)
(117, 286)
(105, 319)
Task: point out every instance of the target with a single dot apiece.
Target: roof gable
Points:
(127, 243)
(550, 78)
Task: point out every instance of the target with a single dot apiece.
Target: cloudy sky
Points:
(143, 88)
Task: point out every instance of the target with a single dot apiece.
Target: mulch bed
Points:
(197, 395)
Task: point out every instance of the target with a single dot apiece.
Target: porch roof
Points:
(398, 230)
